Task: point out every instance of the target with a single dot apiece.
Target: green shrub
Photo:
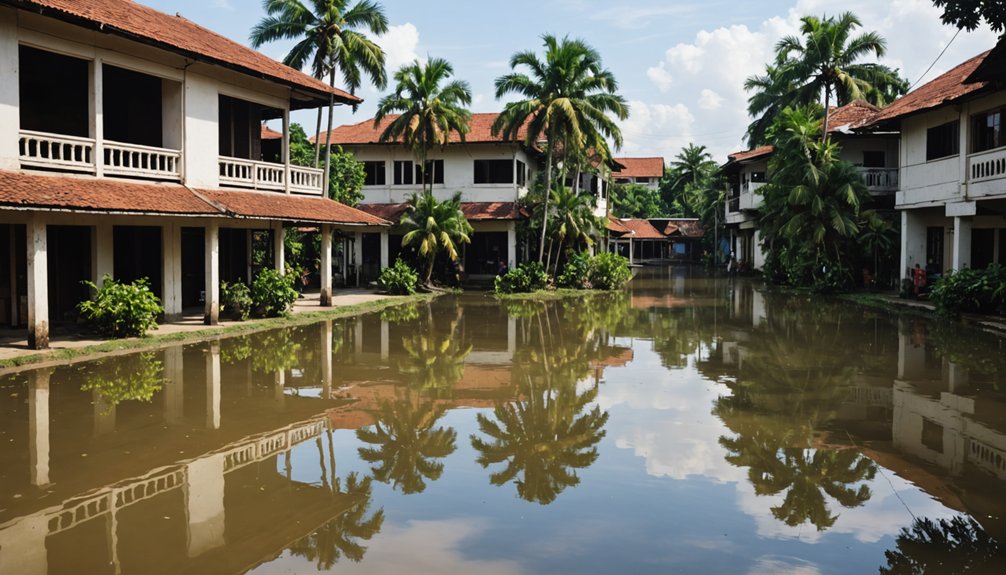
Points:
(399, 279)
(136, 377)
(122, 310)
(272, 293)
(576, 273)
(609, 271)
(235, 300)
(525, 278)
(971, 291)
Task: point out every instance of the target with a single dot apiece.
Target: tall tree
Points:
(692, 164)
(968, 14)
(574, 220)
(435, 226)
(329, 37)
(429, 110)
(568, 99)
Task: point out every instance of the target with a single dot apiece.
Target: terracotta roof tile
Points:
(390, 212)
(944, 89)
(480, 131)
(473, 211)
(642, 229)
(615, 225)
(276, 206)
(99, 195)
(640, 168)
(177, 34)
(685, 228)
(750, 154)
(270, 134)
(851, 116)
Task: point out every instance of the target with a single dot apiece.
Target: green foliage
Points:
(235, 300)
(576, 273)
(525, 278)
(345, 177)
(135, 377)
(609, 271)
(968, 14)
(122, 310)
(272, 293)
(400, 313)
(399, 279)
(971, 291)
(434, 226)
(636, 201)
(301, 149)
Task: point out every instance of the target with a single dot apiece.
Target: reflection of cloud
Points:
(417, 548)
(775, 565)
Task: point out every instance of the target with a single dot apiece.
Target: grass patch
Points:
(550, 295)
(165, 340)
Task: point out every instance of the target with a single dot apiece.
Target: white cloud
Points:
(776, 565)
(630, 17)
(400, 44)
(656, 127)
(710, 100)
(660, 77)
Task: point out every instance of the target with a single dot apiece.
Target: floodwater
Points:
(689, 425)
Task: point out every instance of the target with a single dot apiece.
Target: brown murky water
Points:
(688, 425)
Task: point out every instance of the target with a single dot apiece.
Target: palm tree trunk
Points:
(827, 102)
(544, 211)
(328, 145)
(317, 142)
(558, 253)
(429, 267)
(548, 262)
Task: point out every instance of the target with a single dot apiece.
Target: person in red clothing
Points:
(919, 279)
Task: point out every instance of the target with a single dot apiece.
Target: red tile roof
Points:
(479, 131)
(473, 211)
(851, 116)
(944, 89)
(993, 67)
(20, 190)
(685, 228)
(270, 134)
(751, 154)
(177, 34)
(640, 168)
(615, 225)
(292, 208)
(642, 229)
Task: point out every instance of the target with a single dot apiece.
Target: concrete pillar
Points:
(285, 152)
(962, 243)
(104, 414)
(326, 265)
(38, 426)
(911, 350)
(97, 115)
(38, 283)
(913, 242)
(211, 312)
(22, 546)
(15, 305)
(631, 247)
(278, 251)
(174, 385)
(511, 335)
(326, 359)
(171, 235)
(358, 255)
(385, 249)
(213, 386)
(958, 376)
(279, 385)
(102, 252)
(358, 337)
(249, 250)
(385, 341)
(511, 244)
(204, 503)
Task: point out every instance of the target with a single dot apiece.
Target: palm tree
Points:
(329, 38)
(567, 99)
(340, 537)
(435, 226)
(575, 219)
(772, 93)
(951, 546)
(428, 112)
(692, 164)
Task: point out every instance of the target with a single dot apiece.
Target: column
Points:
(511, 335)
(278, 251)
(38, 425)
(38, 283)
(22, 546)
(213, 386)
(15, 306)
(204, 503)
(97, 116)
(911, 349)
(211, 312)
(102, 253)
(174, 383)
(249, 250)
(631, 247)
(171, 235)
(962, 243)
(958, 376)
(326, 359)
(358, 337)
(913, 242)
(285, 151)
(279, 385)
(358, 255)
(385, 251)
(385, 340)
(511, 244)
(326, 265)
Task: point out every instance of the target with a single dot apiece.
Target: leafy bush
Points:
(235, 300)
(609, 271)
(971, 291)
(525, 278)
(399, 279)
(400, 313)
(272, 293)
(122, 310)
(576, 273)
(136, 377)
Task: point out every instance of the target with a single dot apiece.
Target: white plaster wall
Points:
(927, 182)
(9, 97)
(201, 133)
(853, 148)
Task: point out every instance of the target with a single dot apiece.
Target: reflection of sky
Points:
(661, 498)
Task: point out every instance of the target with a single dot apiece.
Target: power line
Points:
(945, 48)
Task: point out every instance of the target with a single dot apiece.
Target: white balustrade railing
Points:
(68, 153)
(142, 161)
(306, 180)
(880, 178)
(987, 165)
(242, 173)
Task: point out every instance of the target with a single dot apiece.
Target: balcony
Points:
(270, 177)
(988, 165)
(880, 179)
(75, 154)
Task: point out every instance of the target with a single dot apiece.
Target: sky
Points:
(680, 64)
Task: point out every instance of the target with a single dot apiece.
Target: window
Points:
(375, 175)
(874, 159)
(943, 141)
(493, 171)
(642, 180)
(758, 177)
(521, 174)
(403, 173)
(986, 130)
(436, 170)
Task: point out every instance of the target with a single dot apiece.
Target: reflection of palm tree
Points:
(958, 545)
(340, 537)
(407, 444)
(434, 362)
(544, 437)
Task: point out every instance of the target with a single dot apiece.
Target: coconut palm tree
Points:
(575, 219)
(951, 546)
(330, 39)
(692, 164)
(772, 92)
(568, 99)
(341, 536)
(435, 226)
(429, 111)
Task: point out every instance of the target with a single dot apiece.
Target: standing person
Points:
(919, 279)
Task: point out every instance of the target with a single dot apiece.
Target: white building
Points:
(130, 145)
(952, 196)
(642, 171)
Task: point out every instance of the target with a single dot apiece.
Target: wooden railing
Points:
(877, 179)
(987, 165)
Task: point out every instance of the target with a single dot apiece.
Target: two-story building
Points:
(642, 171)
(952, 196)
(131, 145)
(491, 173)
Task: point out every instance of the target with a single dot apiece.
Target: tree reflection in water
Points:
(136, 377)
(945, 547)
(341, 536)
(434, 359)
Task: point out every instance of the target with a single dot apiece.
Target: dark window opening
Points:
(943, 141)
(241, 128)
(932, 435)
(403, 173)
(374, 173)
(132, 107)
(874, 159)
(642, 180)
(986, 130)
(983, 245)
(934, 249)
(137, 254)
(521, 174)
(53, 93)
(757, 177)
(494, 172)
(436, 170)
